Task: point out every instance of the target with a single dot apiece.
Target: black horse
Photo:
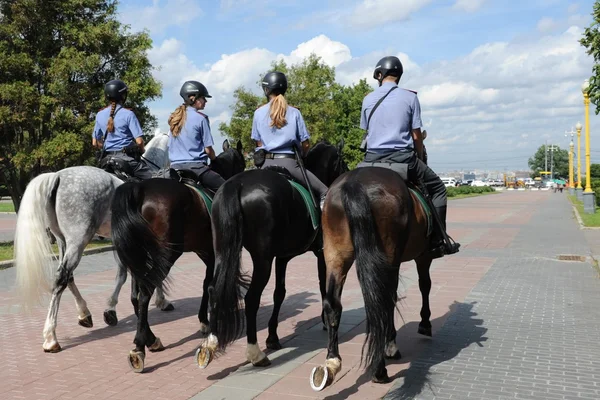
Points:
(261, 211)
(153, 223)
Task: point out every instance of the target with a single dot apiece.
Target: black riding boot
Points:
(450, 246)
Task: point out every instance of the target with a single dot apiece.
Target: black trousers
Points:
(293, 168)
(206, 176)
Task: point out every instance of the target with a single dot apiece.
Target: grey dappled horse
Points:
(74, 203)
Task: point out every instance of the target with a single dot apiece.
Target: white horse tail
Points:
(32, 244)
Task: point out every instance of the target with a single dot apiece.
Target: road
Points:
(510, 321)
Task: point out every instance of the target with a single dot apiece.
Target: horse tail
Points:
(136, 245)
(375, 274)
(33, 252)
(225, 293)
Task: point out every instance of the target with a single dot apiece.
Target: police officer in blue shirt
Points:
(394, 135)
(190, 139)
(118, 132)
(277, 127)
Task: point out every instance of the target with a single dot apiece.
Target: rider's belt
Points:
(279, 155)
(114, 153)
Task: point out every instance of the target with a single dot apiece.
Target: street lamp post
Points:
(571, 173)
(579, 189)
(589, 198)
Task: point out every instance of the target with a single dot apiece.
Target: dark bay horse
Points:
(261, 211)
(153, 223)
(371, 216)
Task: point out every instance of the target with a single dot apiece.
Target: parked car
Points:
(449, 182)
(478, 182)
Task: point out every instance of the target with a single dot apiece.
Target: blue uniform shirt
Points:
(195, 135)
(127, 128)
(393, 121)
(276, 140)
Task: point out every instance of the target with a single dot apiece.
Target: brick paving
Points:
(505, 314)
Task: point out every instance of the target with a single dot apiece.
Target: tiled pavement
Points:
(510, 321)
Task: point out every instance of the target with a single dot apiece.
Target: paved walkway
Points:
(510, 321)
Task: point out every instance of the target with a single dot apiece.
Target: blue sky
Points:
(496, 79)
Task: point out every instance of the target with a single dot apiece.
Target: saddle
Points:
(190, 179)
(302, 190)
(119, 168)
(402, 170)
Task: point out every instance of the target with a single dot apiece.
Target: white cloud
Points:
(498, 97)
(468, 5)
(546, 24)
(370, 13)
(161, 14)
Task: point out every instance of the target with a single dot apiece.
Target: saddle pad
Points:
(314, 215)
(203, 195)
(427, 209)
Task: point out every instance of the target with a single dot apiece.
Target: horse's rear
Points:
(370, 217)
(261, 211)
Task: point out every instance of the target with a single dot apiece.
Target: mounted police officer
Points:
(392, 118)
(278, 127)
(118, 132)
(190, 140)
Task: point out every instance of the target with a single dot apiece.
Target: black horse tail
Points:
(375, 274)
(136, 245)
(225, 290)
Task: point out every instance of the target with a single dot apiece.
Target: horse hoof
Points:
(204, 328)
(320, 378)
(395, 356)
(156, 346)
(110, 317)
(274, 345)
(425, 331)
(169, 307)
(55, 348)
(86, 322)
(203, 357)
(265, 362)
(382, 378)
(136, 361)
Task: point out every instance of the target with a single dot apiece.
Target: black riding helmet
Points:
(115, 90)
(274, 82)
(193, 88)
(390, 65)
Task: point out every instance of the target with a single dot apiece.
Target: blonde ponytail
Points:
(278, 109)
(177, 119)
(110, 127)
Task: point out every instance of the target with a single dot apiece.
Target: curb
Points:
(9, 263)
(580, 221)
(8, 212)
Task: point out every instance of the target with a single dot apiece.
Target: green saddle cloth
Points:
(314, 215)
(427, 209)
(204, 195)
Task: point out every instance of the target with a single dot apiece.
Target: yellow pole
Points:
(579, 156)
(588, 181)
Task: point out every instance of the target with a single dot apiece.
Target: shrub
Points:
(453, 191)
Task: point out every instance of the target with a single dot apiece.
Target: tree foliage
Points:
(559, 158)
(331, 111)
(591, 41)
(55, 57)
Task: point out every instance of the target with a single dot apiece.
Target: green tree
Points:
(594, 171)
(55, 57)
(591, 41)
(330, 111)
(559, 158)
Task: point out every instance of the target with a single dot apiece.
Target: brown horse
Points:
(371, 216)
(153, 223)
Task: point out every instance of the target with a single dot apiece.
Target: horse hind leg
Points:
(278, 297)
(423, 265)
(337, 266)
(110, 314)
(64, 278)
(260, 278)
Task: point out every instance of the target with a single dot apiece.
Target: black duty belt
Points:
(114, 153)
(279, 155)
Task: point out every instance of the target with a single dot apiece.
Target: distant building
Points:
(467, 177)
